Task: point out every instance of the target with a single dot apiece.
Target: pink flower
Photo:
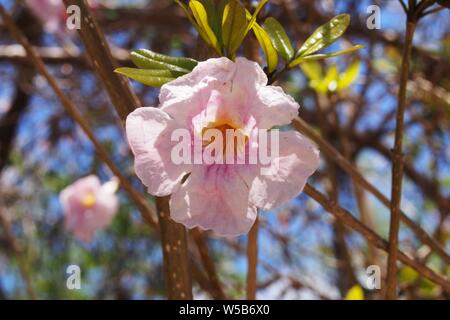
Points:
(51, 13)
(220, 93)
(89, 206)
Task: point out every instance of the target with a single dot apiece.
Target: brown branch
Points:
(15, 53)
(173, 236)
(397, 167)
(125, 101)
(252, 261)
(103, 63)
(78, 118)
(345, 165)
(373, 237)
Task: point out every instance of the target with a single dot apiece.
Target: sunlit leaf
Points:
(152, 78)
(325, 35)
(355, 293)
(234, 24)
(279, 39)
(321, 56)
(201, 17)
(192, 20)
(313, 70)
(146, 59)
(267, 46)
(407, 275)
(349, 76)
(213, 18)
(255, 15)
(329, 82)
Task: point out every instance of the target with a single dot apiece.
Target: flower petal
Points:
(149, 133)
(214, 198)
(286, 178)
(273, 107)
(189, 95)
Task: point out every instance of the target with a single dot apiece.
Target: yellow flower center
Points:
(88, 200)
(240, 138)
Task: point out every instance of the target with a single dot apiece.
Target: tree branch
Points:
(345, 165)
(373, 237)
(125, 101)
(397, 167)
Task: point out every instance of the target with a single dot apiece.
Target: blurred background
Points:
(303, 252)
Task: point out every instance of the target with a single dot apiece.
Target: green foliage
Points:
(233, 26)
(325, 35)
(149, 77)
(223, 26)
(407, 275)
(279, 38)
(156, 69)
(349, 76)
(321, 38)
(322, 56)
(332, 81)
(266, 44)
(199, 19)
(146, 59)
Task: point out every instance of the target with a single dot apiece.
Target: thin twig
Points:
(397, 167)
(405, 8)
(431, 11)
(373, 237)
(345, 165)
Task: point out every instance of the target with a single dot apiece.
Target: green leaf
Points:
(321, 56)
(267, 46)
(146, 59)
(325, 35)
(192, 20)
(258, 9)
(355, 293)
(313, 70)
(201, 17)
(279, 39)
(234, 24)
(152, 78)
(213, 18)
(349, 76)
(407, 275)
(150, 64)
(329, 82)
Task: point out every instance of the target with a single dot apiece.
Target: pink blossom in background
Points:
(220, 93)
(51, 13)
(89, 206)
